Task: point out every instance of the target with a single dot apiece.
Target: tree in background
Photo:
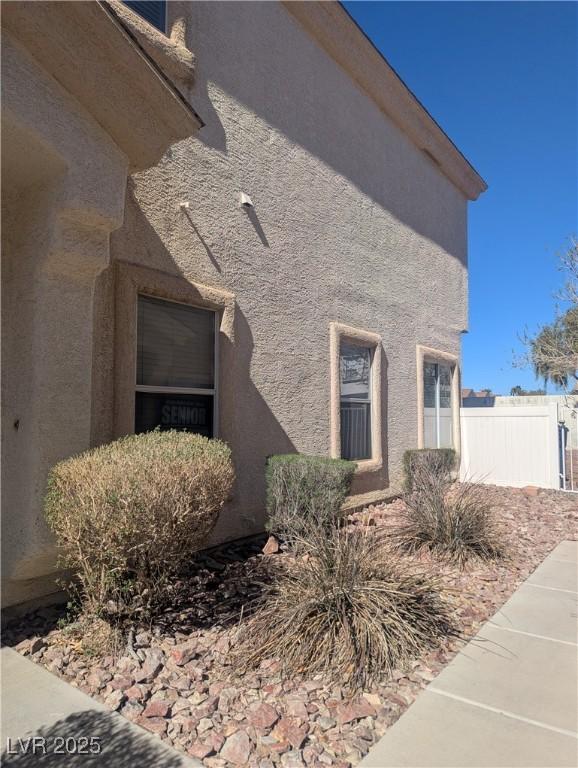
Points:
(553, 350)
(569, 264)
(519, 391)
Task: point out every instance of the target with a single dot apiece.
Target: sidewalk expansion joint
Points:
(552, 589)
(504, 712)
(532, 634)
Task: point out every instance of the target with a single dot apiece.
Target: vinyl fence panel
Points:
(513, 446)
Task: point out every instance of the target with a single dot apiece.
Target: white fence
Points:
(514, 446)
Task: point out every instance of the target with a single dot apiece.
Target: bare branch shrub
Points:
(97, 637)
(454, 520)
(129, 514)
(348, 608)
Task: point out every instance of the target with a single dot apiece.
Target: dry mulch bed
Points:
(174, 682)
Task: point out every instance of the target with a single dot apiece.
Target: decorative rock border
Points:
(175, 683)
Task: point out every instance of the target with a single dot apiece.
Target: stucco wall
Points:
(81, 105)
(63, 183)
(352, 224)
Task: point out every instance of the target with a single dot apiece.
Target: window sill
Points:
(361, 501)
(368, 465)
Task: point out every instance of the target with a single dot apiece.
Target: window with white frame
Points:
(438, 416)
(176, 375)
(355, 364)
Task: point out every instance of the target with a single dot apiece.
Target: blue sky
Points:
(501, 78)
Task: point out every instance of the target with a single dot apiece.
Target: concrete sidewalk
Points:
(510, 697)
(48, 723)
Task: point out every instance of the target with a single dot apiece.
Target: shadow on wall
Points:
(122, 746)
(291, 84)
(254, 219)
(203, 242)
(246, 421)
(250, 428)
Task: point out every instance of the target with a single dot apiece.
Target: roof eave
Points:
(118, 84)
(342, 38)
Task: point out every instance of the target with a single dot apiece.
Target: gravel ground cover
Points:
(175, 679)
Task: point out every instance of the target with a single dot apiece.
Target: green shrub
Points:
(129, 514)
(349, 610)
(305, 491)
(440, 460)
(454, 520)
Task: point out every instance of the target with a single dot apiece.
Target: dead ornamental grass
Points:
(455, 521)
(347, 609)
(129, 514)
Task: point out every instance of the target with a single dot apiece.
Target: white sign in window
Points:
(438, 422)
(176, 367)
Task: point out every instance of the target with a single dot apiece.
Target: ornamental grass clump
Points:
(305, 492)
(130, 514)
(345, 607)
(453, 520)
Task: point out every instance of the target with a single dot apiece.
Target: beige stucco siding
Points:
(356, 232)
(352, 224)
(64, 179)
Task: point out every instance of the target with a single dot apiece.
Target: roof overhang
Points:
(96, 58)
(334, 29)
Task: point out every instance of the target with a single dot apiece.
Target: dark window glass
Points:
(190, 413)
(445, 376)
(429, 384)
(154, 11)
(175, 377)
(355, 430)
(175, 345)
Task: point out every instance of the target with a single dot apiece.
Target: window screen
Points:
(175, 378)
(175, 345)
(437, 401)
(355, 387)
